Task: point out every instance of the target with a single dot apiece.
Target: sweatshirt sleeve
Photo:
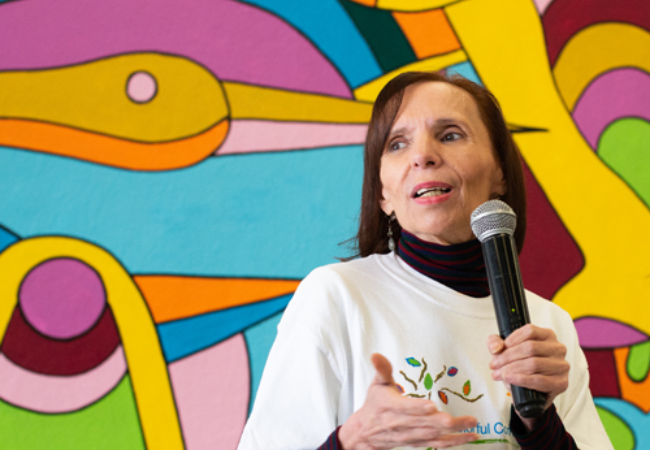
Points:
(550, 434)
(297, 401)
(576, 410)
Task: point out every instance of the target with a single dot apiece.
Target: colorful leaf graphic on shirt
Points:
(443, 397)
(467, 388)
(452, 371)
(413, 362)
(415, 386)
(400, 388)
(458, 394)
(424, 369)
(428, 382)
(441, 374)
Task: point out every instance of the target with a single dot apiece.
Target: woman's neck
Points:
(459, 266)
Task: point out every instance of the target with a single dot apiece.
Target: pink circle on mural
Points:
(62, 298)
(141, 87)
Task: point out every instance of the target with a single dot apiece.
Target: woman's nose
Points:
(425, 154)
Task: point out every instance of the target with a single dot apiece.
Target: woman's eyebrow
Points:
(449, 121)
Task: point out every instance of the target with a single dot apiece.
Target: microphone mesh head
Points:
(493, 217)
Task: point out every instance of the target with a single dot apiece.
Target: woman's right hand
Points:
(388, 420)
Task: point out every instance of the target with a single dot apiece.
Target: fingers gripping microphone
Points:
(493, 223)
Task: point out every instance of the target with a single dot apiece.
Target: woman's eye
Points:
(451, 136)
(397, 145)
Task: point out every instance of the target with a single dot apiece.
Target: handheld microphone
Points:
(493, 223)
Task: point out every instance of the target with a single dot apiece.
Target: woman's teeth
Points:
(431, 192)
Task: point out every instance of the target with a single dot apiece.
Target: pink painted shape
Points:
(59, 394)
(234, 41)
(62, 297)
(596, 332)
(212, 390)
(613, 95)
(542, 5)
(262, 136)
(141, 87)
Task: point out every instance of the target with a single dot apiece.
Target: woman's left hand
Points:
(530, 357)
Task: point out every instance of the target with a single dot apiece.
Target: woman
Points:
(388, 351)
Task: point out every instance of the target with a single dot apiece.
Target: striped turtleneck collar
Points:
(459, 266)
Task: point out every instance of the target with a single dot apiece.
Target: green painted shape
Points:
(491, 441)
(638, 361)
(109, 424)
(428, 382)
(383, 34)
(619, 433)
(625, 147)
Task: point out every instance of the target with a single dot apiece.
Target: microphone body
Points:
(493, 224)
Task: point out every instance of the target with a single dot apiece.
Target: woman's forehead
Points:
(437, 102)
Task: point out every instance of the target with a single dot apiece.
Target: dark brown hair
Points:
(373, 223)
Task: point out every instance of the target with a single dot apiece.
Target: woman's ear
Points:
(499, 185)
(386, 206)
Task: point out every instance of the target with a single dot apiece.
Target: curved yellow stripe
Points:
(93, 97)
(505, 42)
(144, 356)
(256, 102)
(412, 5)
(369, 91)
(595, 50)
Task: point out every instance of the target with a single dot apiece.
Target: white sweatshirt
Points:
(319, 369)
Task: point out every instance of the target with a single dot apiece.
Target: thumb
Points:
(383, 368)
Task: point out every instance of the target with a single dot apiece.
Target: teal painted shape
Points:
(383, 34)
(259, 340)
(275, 215)
(329, 27)
(465, 69)
(6, 238)
(110, 423)
(184, 337)
(637, 420)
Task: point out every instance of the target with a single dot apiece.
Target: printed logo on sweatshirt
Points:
(427, 381)
(424, 384)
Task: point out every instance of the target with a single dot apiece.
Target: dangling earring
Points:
(391, 241)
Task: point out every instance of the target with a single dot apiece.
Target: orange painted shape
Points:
(110, 151)
(631, 391)
(429, 32)
(370, 3)
(178, 297)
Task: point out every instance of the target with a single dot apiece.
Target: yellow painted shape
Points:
(595, 50)
(144, 356)
(256, 102)
(369, 91)
(505, 41)
(93, 97)
(412, 5)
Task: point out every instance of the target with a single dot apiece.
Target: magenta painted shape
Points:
(596, 332)
(234, 41)
(247, 136)
(613, 95)
(212, 389)
(59, 394)
(62, 298)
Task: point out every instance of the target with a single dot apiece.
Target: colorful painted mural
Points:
(169, 171)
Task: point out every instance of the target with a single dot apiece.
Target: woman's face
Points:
(438, 164)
